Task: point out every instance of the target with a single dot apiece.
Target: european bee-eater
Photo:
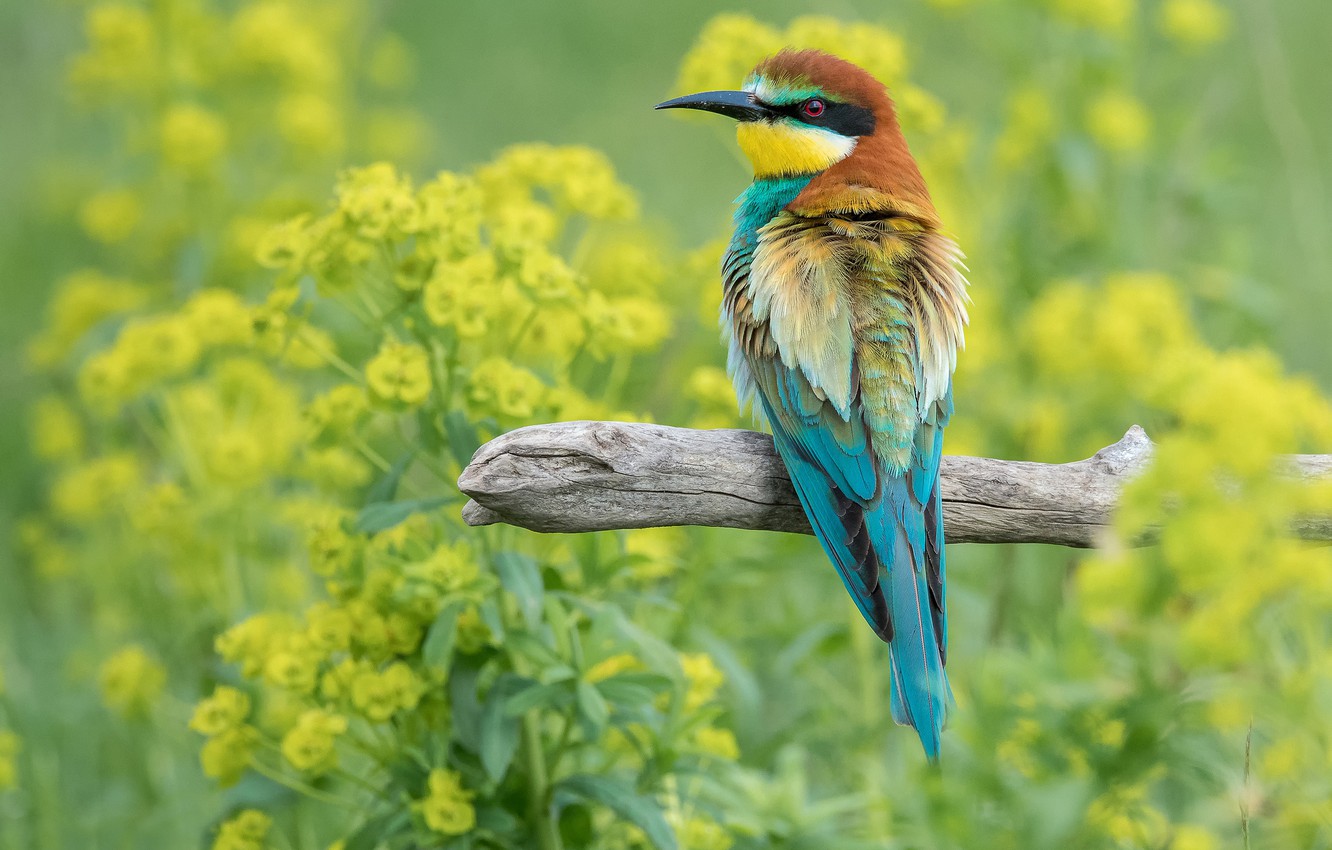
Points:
(844, 307)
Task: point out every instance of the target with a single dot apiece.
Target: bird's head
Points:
(800, 112)
(808, 113)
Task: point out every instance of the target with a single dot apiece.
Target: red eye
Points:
(813, 108)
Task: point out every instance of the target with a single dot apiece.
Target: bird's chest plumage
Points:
(821, 298)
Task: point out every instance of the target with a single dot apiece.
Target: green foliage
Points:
(259, 403)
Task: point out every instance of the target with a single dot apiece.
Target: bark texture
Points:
(596, 476)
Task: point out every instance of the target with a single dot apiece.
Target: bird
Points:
(844, 307)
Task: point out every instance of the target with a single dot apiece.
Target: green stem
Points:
(538, 809)
(301, 787)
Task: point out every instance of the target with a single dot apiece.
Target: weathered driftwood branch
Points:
(595, 476)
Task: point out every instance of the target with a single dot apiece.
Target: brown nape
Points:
(880, 174)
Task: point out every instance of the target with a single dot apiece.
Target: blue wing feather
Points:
(882, 529)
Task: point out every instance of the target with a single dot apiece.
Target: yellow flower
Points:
(698, 833)
(921, 112)
(295, 668)
(96, 488)
(1194, 23)
(461, 295)
(1111, 17)
(1030, 124)
(703, 677)
(9, 750)
(122, 50)
(1283, 759)
(447, 808)
(711, 386)
(111, 216)
(81, 301)
(399, 375)
(497, 386)
(656, 552)
(131, 681)
(225, 756)
(311, 745)
(616, 664)
(310, 123)
(880, 51)
(57, 433)
(1189, 837)
(472, 632)
(717, 742)
(626, 324)
(1110, 733)
(246, 831)
(193, 139)
(336, 413)
(1119, 123)
(450, 567)
(1229, 711)
(219, 317)
(226, 709)
(247, 643)
(725, 51)
(380, 694)
(376, 203)
(236, 457)
(331, 549)
(391, 65)
(120, 31)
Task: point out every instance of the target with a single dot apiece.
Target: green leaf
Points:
(530, 647)
(462, 698)
(620, 796)
(377, 830)
(462, 436)
(496, 819)
(432, 439)
(592, 711)
(438, 644)
(557, 695)
(459, 842)
(499, 730)
(386, 487)
(633, 689)
(521, 576)
(381, 516)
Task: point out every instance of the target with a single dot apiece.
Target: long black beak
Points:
(740, 105)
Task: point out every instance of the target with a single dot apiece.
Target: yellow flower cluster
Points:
(247, 830)
(310, 745)
(447, 809)
(731, 45)
(132, 681)
(226, 709)
(704, 679)
(222, 718)
(399, 375)
(1112, 17)
(9, 750)
(1119, 123)
(717, 742)
(1125, 816)
(82, 301)
(475, 253)
(1194, 23)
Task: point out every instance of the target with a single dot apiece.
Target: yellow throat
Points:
(777, 148)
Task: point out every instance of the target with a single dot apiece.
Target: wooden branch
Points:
(596, 476)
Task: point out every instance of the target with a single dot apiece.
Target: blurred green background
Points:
(588, 73)
(1228, 198)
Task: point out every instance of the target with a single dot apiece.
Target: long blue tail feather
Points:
(918, 685)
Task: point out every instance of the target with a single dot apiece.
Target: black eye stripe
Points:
(846, 119)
